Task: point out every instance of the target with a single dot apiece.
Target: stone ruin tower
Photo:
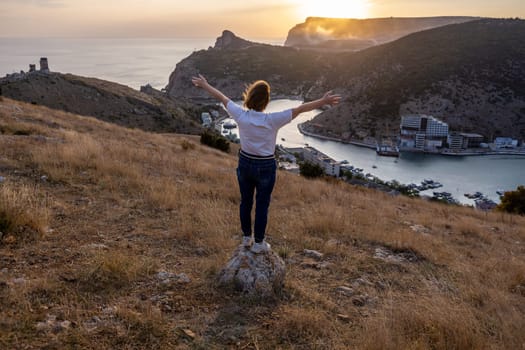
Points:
(44, 67)
(32, 67)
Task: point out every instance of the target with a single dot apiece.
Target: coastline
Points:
(328, 138)
(467, 153)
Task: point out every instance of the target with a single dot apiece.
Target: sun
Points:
(334, 8)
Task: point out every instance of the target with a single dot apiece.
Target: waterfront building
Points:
(461, 140)
(330, 166)
(206, 119)
(505, 142)
(422, 132)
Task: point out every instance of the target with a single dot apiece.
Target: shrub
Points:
(187, 145)
(216, 141)
(310, 170)
(513, 201)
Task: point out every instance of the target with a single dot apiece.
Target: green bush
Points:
(216, 141)
(310, 170)
(513, 201)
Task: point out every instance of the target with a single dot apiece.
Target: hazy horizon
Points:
(207, 18)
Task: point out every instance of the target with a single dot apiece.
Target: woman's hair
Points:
(257, 96)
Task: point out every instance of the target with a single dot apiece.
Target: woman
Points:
(257, 167)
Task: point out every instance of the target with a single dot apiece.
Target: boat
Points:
(387, 150)
(229, 124)
(435, 184)
(374, 166)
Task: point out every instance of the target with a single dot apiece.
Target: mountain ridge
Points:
(358, 34)
(469, 74)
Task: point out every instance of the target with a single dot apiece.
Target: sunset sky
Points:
(207, 18)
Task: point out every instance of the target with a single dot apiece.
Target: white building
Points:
(422, 132)
(228, 128)
(505, 142)
(330, 166)
(206, 119)
(462, 140)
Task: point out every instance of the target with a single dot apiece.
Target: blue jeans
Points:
(255, 176)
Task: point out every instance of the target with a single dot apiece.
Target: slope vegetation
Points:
(102, 99)
(113, 238)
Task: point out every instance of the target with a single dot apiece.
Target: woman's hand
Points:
(331, 99)
(199, 81)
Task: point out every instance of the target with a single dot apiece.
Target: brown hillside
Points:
(92, 212)
(105, 100)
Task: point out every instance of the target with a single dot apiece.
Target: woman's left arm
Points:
(328, 99)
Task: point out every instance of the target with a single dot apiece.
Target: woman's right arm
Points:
(201, 82)
(327, 99)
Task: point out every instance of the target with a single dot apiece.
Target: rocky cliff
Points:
(472, 75)
(357, 34)
(234, 62)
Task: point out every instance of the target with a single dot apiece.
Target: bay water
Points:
(459, 175)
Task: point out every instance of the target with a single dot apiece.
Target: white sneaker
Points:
(247, 241)
(262, 247)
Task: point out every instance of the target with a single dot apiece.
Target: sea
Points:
(137, 62)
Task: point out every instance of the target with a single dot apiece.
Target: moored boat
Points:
(387, 150)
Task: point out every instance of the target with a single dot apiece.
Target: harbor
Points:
(458, 174)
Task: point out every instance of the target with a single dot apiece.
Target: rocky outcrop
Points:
(343, 34)
(233, 63)
(255, 274)
(228, 40)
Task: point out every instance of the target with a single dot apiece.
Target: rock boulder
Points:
(255, 274)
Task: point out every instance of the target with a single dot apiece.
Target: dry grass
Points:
(124, 204)
(23, 212)
(112, 271)
(425, 322)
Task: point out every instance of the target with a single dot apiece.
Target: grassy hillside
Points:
(102, 99)
(91, 213)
